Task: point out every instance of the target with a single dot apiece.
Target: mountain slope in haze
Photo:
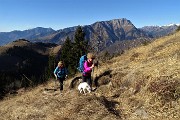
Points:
(142, 83)
(7, 37)
(159, 31)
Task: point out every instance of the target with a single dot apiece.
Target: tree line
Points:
(34, 69)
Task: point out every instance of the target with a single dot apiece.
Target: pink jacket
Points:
(87, 70)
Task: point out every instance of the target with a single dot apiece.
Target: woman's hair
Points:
(60, 63)
(90, 56)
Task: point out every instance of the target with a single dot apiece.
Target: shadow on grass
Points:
(110, 106)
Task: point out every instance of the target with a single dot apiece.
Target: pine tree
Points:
(66, 50)
(71, 52)
(66, 55)
(80, 45)
(50, 67)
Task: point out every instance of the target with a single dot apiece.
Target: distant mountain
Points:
(7, 37)
(100, 34)
(103, 33)
(159, 31)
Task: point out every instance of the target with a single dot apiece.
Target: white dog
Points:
(83, 87)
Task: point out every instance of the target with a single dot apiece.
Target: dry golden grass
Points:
(55, 50)
(143, 83)
(157, 67)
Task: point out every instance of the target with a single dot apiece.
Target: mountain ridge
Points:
(159, 31)
(112, 30)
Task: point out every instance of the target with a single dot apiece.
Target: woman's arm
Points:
(87, 68)
(55, 72)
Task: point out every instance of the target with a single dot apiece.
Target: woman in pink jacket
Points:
(88, 66)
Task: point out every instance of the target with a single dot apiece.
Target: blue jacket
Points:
(60, 72)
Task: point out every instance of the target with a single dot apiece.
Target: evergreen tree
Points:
(50, 67)
(66, 55)
(71, 52)
(66, 50)
(80, 45)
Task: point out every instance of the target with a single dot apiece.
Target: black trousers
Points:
(87, 79)
(61, 80)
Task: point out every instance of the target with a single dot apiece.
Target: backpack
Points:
(81, 63)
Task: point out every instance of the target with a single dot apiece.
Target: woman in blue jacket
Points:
(60, 73)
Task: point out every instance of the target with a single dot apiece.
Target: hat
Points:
(90, 56)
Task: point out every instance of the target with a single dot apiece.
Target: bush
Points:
(167, 90)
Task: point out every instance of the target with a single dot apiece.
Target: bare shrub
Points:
(166, 89)
(118, 80)
(103, 80)
(134, 56)
(134, 102)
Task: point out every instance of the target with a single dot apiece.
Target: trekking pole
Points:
(92, 78)
(92, 74)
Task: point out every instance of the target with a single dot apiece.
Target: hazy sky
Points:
(59, 14)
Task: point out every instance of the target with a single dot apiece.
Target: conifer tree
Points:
(50, 67)
(71, 52)
(80, 45)
(66, 55)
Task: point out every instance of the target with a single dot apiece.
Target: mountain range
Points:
(103, 33)
(7, 37)
(159, 31)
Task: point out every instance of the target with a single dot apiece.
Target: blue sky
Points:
(59, 14)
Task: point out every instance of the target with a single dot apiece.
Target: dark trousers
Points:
(87, 79)
(61, 80)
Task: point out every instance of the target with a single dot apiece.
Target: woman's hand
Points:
(92, 66)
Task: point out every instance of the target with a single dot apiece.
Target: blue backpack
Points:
(81, 63)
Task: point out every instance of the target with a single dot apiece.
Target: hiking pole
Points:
(92, 78)
(92, 74)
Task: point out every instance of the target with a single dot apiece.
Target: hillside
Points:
(143, 83)
(23, 59)
(22, 50)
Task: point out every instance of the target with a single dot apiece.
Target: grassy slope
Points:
(143, 83)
